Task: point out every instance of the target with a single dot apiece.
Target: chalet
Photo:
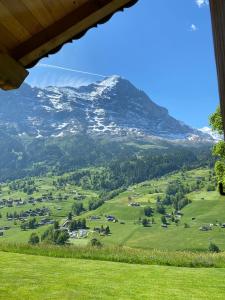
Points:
(6, 227)
(31, 201)
(168, 216)
(205, 228)
(110, 218)
(178, 213)
(134, 204)
(43, 222)
(50, 222)
(82, 233)
(74, 234)
(10, 203)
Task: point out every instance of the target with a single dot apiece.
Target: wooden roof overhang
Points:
(32, 29)
(217, 8)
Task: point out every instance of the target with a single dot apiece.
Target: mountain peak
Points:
(109, 82)
(113, 106)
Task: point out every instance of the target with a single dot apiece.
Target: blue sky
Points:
(163, 47)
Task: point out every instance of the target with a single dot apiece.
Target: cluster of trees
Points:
(148, 211)
(176, 195)
(103, 230)
(94, 204)
(95, 243)
(34, 239)
(31, 224)
(27, 186)
(55, 235)
(122, 173)
(216, 123)
(160, 208)
(77, 224)
(21, 158)
(145, 222)
(78, 208)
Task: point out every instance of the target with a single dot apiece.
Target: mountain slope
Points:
(216, 137)
(113, 106)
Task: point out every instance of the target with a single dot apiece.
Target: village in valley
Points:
(162, 206)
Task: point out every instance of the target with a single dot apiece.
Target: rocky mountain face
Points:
(111, 107)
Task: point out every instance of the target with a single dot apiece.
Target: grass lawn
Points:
(37, 277)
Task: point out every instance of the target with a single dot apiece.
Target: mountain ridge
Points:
(113, 106)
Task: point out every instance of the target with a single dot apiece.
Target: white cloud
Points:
(201, 3)
(193, 27)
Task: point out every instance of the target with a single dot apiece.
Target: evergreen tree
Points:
(34, 239)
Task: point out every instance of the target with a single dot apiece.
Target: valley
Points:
(100, 182)
(204, 207)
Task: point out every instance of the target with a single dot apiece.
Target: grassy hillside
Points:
(58, 278)
(204, 208)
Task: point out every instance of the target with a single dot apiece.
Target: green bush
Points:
(34, 239)
(95, 243)
(213, 248)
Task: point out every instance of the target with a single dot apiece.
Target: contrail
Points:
(70, 70)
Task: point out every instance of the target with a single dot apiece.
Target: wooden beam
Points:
(12, 74)
(217, 8)
(78, 21)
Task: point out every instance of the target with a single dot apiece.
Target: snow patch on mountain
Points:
(112, 107)
(207, 130)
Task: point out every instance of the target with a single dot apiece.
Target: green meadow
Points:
(38, 277)
(205, 207)
(134, 262)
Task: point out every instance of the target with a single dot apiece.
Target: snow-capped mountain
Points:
(113, 106)
(215, 136)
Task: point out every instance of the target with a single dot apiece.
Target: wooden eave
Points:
(217, 8)
(33, 29)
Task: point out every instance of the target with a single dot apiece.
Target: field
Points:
(128, 266)
(59, 205)
(205, 208)
(37, 277)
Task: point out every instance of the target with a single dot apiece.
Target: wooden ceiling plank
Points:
(217, 8)
(70, 5)
(12, 74)
(55, 8)
(23, 15)
(8, 41)
(11, 23)
(40, 12)
(79, 20)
